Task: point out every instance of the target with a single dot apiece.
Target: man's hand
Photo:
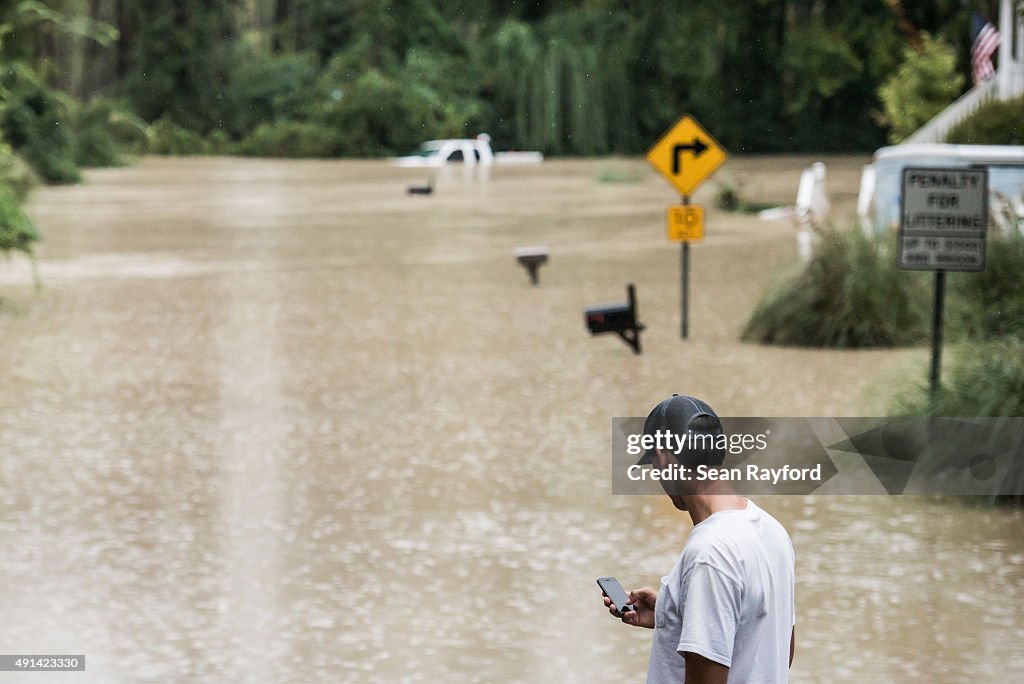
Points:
(642, 615)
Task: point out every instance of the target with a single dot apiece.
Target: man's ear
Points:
(660, 458)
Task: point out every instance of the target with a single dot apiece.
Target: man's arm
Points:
(700, 670)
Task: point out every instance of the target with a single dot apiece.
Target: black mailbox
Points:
(532, 258)
(610, 318)
(616, 318)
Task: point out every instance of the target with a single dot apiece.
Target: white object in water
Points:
(470, 151)
(865, 198)
(805, 244)
(812, 205)
(777, 214)
(513, 157)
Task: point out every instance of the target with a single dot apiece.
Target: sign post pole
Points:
(936, 369)
(684, 279)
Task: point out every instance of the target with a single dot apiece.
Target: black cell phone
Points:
(614, 591)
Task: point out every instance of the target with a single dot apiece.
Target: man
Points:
(725, 614)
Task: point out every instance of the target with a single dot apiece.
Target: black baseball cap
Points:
(675, 415)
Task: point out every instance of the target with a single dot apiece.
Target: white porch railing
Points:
(1013, 85)
(1008, 82)
(1010, 74)
(936, 130)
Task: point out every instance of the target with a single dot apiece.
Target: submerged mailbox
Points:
(532, 258)
(616, 318)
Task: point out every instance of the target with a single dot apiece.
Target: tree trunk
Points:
(908, 30)
(282, 27)
(126, 43)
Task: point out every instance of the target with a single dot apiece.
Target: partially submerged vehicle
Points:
(878, 204)
(471, 151)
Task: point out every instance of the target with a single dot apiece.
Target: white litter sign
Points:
(943, 219)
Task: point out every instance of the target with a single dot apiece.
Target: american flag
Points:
(986, 40)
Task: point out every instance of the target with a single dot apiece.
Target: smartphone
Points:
(614, 591)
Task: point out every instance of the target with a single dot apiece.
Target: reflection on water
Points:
(278, 421)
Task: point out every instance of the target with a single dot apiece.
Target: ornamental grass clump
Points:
(990, 304)
(986, 379)
(849, 295)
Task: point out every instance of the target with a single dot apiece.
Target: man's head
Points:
(687, 432)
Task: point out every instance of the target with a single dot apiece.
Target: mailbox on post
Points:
(616, 318)
(532, 258)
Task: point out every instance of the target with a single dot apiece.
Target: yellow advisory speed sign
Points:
(685, 223)
(686, 155)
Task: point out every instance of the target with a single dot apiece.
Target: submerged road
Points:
(274, 421)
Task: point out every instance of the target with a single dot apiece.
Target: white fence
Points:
(936, 130)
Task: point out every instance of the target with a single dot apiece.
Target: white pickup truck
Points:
(434, 153)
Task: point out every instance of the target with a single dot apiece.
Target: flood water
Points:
(276, 421)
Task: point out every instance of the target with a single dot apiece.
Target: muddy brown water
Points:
(277, 421)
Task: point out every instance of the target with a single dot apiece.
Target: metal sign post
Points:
(940, 298)
(684, 279)
(684, 223)
(686, 155)
(943, 225)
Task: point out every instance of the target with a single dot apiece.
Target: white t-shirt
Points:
(730, 599)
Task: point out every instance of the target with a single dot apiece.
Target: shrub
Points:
(990, 303)
(729, 197)
(851, 294)
(923, 85)
(292, 139)
(37, 122)
(996, 123)
(105, 132)
(383, 111)
(266, 87)
(218, 142)
(986, 310)
(16, 230)
(987, 381)
(377, 113)
(616, 174)
(167, 137)
(15, 173)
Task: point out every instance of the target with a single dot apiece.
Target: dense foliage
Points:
(987, 315)
(16, 178)
(990, 304)
(996, 123)
(850, 294)
(924, 84)
(325, 78)
(93, 83)
(986, 380)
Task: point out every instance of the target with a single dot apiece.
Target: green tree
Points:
(178, 58)
(16, 230)
(36, 118)
(37, 122)
(566, 76)
(921, 87)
